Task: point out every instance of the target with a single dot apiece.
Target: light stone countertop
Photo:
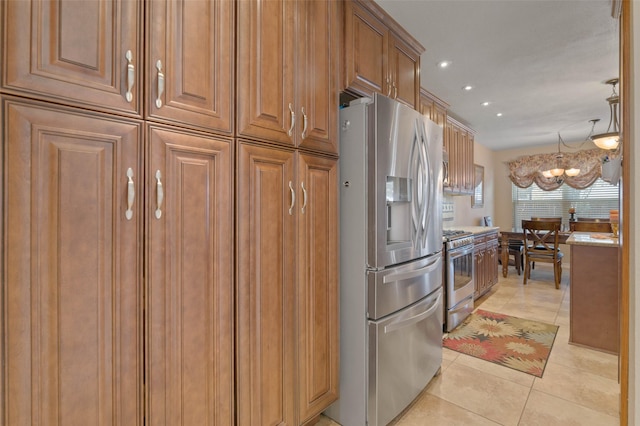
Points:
(599, 239)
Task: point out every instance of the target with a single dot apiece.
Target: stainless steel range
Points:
(458, 280)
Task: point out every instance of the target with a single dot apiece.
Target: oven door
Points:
(460, 282)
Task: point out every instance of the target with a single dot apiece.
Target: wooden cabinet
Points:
(433, 107)
(90, 54)
(380, 56)
(189, 287)
(72, 295)
(288, 72)
(287, 285)
(318, 292)
(121, 298)
(485, 262)
(189, 66)
(75, 52)
(595, 295)
(458, 143)
(82, 307)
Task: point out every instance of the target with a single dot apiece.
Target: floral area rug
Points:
(517, 343)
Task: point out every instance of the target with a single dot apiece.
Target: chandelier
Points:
(558, 169)
(611, 138)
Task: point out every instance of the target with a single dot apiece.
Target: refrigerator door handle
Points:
(416, 318)
(412, 274)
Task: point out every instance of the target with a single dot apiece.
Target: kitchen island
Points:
(595, 291)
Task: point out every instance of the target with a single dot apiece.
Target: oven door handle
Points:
(416, 318)
(391, 278)
(459, 252)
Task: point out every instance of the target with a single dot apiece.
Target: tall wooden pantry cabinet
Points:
(287, 211)
(169, 236)
(117, 219)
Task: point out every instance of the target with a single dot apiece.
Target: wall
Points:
(464, 215)
(634, 231)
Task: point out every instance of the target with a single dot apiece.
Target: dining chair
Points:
(542, 245)
(590, 226)
(516, 249)
(548, 219)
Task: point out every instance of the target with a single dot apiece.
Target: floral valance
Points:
(528, 169)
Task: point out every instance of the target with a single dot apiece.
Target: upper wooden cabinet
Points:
(459, 145)
(287, 72)
(190, 63)
(380, 56)
(90, 54)
(85, 53)
(433, 107)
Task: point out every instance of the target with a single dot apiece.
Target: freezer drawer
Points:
(405, 352)
(392, 289)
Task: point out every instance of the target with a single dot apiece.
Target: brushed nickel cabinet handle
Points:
(304, 124)
(131, 75)
(160, 84)
(293, 119)
(293, 198)
(159, 194)
(304, 197)
(131, 194)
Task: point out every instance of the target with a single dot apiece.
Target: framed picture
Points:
(477, 199)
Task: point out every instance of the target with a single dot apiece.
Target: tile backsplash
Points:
(447, 208)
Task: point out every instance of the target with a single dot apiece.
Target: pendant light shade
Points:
(611, 138)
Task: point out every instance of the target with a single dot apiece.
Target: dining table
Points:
(518, 235)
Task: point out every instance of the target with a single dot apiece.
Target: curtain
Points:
(527, 170)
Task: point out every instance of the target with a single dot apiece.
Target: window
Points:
(594, 201)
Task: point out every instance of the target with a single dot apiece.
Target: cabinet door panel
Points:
(190, 279)
(318, 285)
(405, 63)
(265, 72)
(193, 40)
(366, 46)
(74, 52)
(71, 297)
(266, 286)
(319, 74)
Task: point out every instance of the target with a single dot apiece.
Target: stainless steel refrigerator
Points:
(390, 259)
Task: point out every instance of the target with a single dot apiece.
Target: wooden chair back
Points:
(590, 226)
(593, 219)
(547, 219)
(543, 235)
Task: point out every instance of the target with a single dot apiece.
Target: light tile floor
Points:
(579, 386)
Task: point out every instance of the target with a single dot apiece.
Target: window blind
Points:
(593, 202)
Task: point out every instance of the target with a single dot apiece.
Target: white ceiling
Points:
(542, 64)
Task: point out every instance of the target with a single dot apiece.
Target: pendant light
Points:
(559, 170)
(611, 138)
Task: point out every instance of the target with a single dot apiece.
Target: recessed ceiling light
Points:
(444, 64)
(499, 114)
(467, 87)
(485, 104)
